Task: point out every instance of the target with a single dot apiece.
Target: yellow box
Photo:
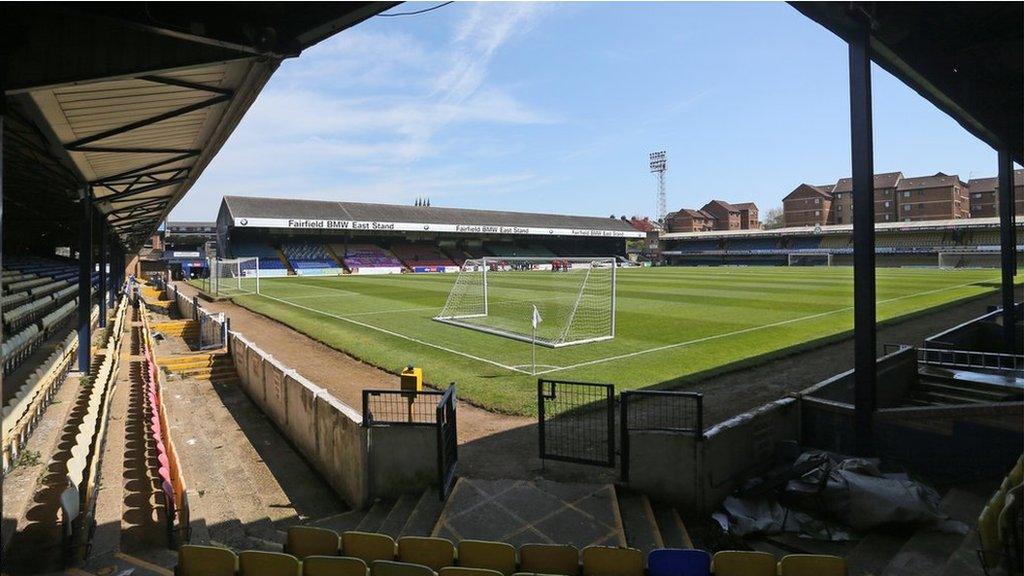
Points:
(412, 379)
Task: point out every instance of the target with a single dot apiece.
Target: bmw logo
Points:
(243, 221)
(425, 227)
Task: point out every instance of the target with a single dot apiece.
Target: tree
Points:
(773, 218)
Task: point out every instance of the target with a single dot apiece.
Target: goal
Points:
(968, 259)
(233, 276)
(809, 259)
(574, 299)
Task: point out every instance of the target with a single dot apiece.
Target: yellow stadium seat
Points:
(743, 563)
(391, 568)
(435, 553)
(549, 559)
(259, 563)
(334, 566)
(988, 533)
(310, 541)
(812, 565)
(1017, 474)
(488, 555)
(367, 547)
(462, 571)
(609, 561)
(206, 561)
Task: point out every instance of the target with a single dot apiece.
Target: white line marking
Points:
(751, 329)
(398, 335)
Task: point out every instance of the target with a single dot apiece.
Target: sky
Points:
(554, 107)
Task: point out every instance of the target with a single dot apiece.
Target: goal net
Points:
(811, 259)
(233, 276)
(967, 259)
(574, 299)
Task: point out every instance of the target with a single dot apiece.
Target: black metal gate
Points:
(447, 441)
(576, 421)
(658, 411)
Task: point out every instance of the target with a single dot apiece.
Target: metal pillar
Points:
(862, 159)
(101, 294)
(1008, 248)
(85, 283)
(3, 110)
(114, 281)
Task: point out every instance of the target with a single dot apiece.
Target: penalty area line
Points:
(399, 335)
(751, 329)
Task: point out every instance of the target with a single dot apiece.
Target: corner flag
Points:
(536, 317)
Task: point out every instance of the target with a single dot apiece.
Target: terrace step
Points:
(399, 515)
(638, 521)
(424, 516)
(374, 517)
(928, 551)
(670, 525)
(981, 394)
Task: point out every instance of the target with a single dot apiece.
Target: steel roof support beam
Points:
(116, 150)
(149, 121)
(864, 320)
(185, 84)
(140, 205)
(1008, 249)
(142, 170)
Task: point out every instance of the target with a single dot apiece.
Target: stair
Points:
(284, 260)
(338, 259)
(638, 521)
(187, 330)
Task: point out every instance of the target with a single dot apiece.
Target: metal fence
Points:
(658, 411)
(576, 422)
(424, 408)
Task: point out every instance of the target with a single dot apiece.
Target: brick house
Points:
(689, 220)
(748, 216)
(807, 205)
(938, 197)
(885, 199)
(985, 199)
(727, 216)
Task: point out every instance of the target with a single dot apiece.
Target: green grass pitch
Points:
(672, 323)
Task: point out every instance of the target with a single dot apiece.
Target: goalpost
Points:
(574, 299)
(233, 276)
(809, 259)
(968, 259)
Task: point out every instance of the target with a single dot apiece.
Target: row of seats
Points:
(24, 409)
(999, 524)
(172, 482)
(267, 254)
(77, 496)
(514, 250)
(312, 551)
(413, 255)
(365, 256)
(307, 255)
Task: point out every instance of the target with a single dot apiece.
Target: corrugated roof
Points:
(286, 208)
(884, 180)
(935, 181)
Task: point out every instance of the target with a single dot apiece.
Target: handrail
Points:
(998, 361)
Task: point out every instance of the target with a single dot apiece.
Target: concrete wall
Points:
(698, 473)
(402, 460)
(328, 433)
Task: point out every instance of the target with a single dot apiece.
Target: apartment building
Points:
(885, 199)
(689, 220)
(938, 197)
(984, 196)
(808, 205)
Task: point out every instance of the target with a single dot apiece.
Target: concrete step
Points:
(928, 551)
(964, 560)
(874, 552)
(341, 522)
(424, 516)
(398, 516)
(638, 521)
(374, 517)
(982, 394)
(670, 525)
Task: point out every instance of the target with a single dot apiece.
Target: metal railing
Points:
(658, 411)
(400, 408)
(967, 359)
(576, 422)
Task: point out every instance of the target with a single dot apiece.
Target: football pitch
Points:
(671, 323)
